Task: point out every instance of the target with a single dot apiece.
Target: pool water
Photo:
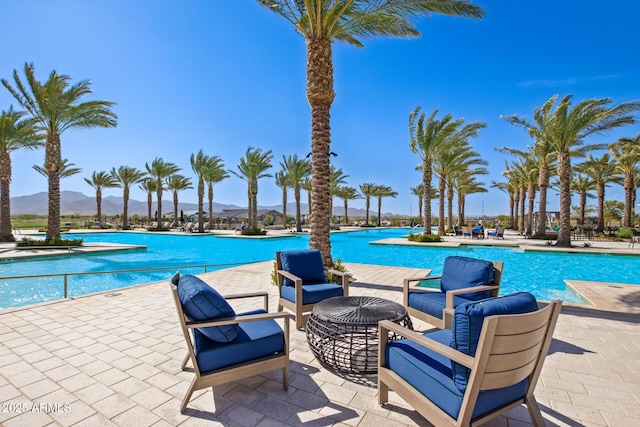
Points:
(541, 273)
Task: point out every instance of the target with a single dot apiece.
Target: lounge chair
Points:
(223, 346)
(488, 364)
(463, 279)
(302, 281)
(477, 232)
(466, 231)
(457, 231)
(498, 233)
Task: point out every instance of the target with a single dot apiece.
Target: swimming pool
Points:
(541, 273)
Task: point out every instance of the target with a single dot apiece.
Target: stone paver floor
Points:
(114, 359)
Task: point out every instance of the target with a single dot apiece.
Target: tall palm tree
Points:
(15, 134)
(65, 169)
(348, 193)
(99, 181)
(149, 186)
(160, 171)
(251, 168)
(565, 128)
(626, 156)
(125, 177)
(298, 171)
(337, 179)
(322, 22)
(368, 190)
(582, 184)
(380, 192)
(306, 186)
(199, 164)
(175, 184)
(214, 173)
(507, 187)
(601, 170)
(56, 107)
(464, 185)
(284, 183)
(418, 191)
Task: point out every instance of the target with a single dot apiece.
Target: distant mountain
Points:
(74, 202)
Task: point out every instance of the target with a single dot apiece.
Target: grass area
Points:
(39, 222)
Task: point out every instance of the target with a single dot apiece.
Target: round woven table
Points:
(342, 332)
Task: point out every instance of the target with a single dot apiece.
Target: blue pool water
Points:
(541, 273)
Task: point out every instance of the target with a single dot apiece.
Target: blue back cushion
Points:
(462, 272)
(306, 264)
(467, 325)
(201, 302)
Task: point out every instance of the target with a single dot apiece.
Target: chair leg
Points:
(285, 378)
(187, 396)
(299, 322)
(185, 361)
(383, 393)
(534, 411)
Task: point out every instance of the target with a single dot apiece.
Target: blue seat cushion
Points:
(306, 264)
(201, 302)
(467, 325)
(462, 272)
(430, 373)
(254, 340)
(313, 293)
(432, 303)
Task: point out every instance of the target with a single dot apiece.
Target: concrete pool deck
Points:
(114, 359)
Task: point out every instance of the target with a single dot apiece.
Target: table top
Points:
(359, 310)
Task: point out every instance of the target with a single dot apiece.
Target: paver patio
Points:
(114, 359)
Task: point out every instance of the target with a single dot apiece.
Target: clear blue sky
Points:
(226, 75)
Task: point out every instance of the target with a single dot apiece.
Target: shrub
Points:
(55, 241)
(253, 232)
(424, 238)
(624, 233)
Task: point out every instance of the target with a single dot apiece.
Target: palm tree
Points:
(306, 186)
(252, 167)
(368, 190)
(126, 176)
(380, 192)
(507, 187)
(199, 164)
(298, 171)
(15, 134)
(99, 181)
(148, 185)
(582, 184)
(283, 182)
(626, 156)
(56, 107)
(601, 171)
(346, 194)
(337, 179)
(322, 22)
(565, 129)
(214, 173)
(175, 184)
(419, 192)
(65, 169)
(464, 185)
(160, 170)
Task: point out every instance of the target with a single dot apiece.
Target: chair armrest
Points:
(289, 276)
(386, 326)
(405, 287)
(344, 280)
(237, 319)
(451, 294)
(264, 295)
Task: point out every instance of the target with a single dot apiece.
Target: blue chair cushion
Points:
(467, 325)
(306, 264)
(430, 373)
(432, 303)
(312, 294)
(201, 302)
(462, 272)
(254, 340)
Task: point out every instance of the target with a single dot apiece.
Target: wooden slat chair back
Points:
(236, 372)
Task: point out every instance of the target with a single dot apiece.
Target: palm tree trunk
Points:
(426, 182)
(532, 197)
(99, 205)
(200, 204)
(346, 209)
(379, 210)
(254, 205)
(296, 195)
(5, 198)
(441, 188)
(367, 203)
(149, 203)
(419, 206)
(159, 207)
(523, 197)
(516, 206)
(460, 209)
(543, 184)
(53, 157)
(450, 207)
(600, 192)
(210, 207)
(175, 208)
(583, 205)
(320, 95)
(125, 208)
(628, 199)
(564, 176)
(284, 207)
(512, 210)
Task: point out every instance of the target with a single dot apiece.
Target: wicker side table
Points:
(342, 332)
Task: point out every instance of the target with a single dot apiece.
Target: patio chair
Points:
(302, 281)
(477, 232)
(463, 279)
(457, 231)
(466, 231)
(498, 233)
(488, 364)
(223, 346)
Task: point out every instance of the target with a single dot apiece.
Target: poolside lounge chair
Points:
(223, 346)
(302, 281)
(466, 231)
(463, 279)
(488, 364)
(477, 232)
(457, 231)
(498, 233)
